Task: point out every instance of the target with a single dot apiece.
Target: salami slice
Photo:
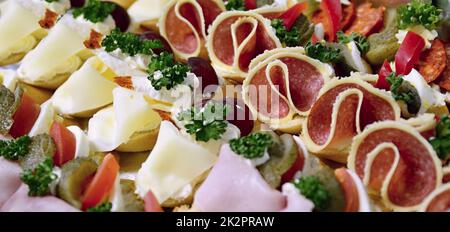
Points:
(283, 83)
(343, 109)
(397, 163)
(445, 78)
(235, 38)
(439, 200)
(368, 20)
(184, 25)
(432, 62)
(356, 198)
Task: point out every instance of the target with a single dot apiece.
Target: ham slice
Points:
(283, 83)
(235, 185)
(397, 163)
(10, 179)
(184, 25)
(235, 38)
(438, 201)
(343, 109)
(21, 202)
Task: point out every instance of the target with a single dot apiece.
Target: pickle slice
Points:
(41, 147)
(132, 202)
(383, 45)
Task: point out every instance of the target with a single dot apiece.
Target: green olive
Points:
(40, 148)
(133, 203)
(414, 103)
(73, 175)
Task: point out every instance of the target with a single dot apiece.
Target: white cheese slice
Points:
(44, 120)
(86, 89)
(82, 142)
(172, 164)
(356, 56)
(116, 197)
(428, 96)
(146, 10)
(16, 22)
(114, 125)
(8, 78)
(60, 44)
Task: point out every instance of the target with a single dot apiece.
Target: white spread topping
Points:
(260, 160)
(83, 26)
(120, 64)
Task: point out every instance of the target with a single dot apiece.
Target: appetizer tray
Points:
(235, 105)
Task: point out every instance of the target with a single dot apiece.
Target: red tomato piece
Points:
(333, 12)
(409, 53)
(151, 204)
(384, 72)
(292, 14)
(25, 116)
(65, 143)
(103, 182)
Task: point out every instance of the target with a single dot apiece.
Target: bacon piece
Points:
(439, 200)
(93, 42)
(397, 163)
(49, 19)
(10, 174)
(184, 25)
(343, 109)
(283, 82)
(235, 38)
(432, 61)
(235, 185)
(444, 81)
(368, 20)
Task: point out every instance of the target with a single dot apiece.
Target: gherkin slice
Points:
(383, 45)
(9, 102)
(41, 147)
(132, 202)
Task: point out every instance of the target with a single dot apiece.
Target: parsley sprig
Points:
(104, 207)
(323, 52)
(360, 40)
(441, 142)
(95, 10)
(14, 149)
(206, 123)
(298, 35)
(395, 82)
(251, 146)
(235, 5)
(171, 73)
(129, 43)
(313, 189)
(39, 179)
(418, 13)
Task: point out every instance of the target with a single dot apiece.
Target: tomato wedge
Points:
(409, 53)
(384, 72)
(292, 14)
(25, 116)
(151, 204)
(333, 11)
(102, 183)
(349, 188)
(65, 143)
(250, 4)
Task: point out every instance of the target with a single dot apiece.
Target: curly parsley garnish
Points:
(251, 146)
(418, 13)
(360, 40)
(206, 123)
(129, 43)
(441, 142)
(95, 10)
(166, 72)
(39, 179)
(14, 149)
(313, 189)
(104, 207)
(395, 82)
(323, 52)
(235, 5)
(298, 35)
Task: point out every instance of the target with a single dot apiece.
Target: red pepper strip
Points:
(384, 72)
(25, 116)
(151, 204)
(333, 11)
(65, 142)
(250, 4)
(409, 53)
(292, 14)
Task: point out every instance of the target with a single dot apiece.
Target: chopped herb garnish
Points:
(441, 142)
(395, 82)
(171, 73)
(104, 207)
(418, 13)
(14, 149)
(298, 35)
(235, 5)
(39, 179)
(313, 189)
(206, 123)
(360, 40)
(129, 43)
(95, 11)
(251, 146)
(323, 52)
